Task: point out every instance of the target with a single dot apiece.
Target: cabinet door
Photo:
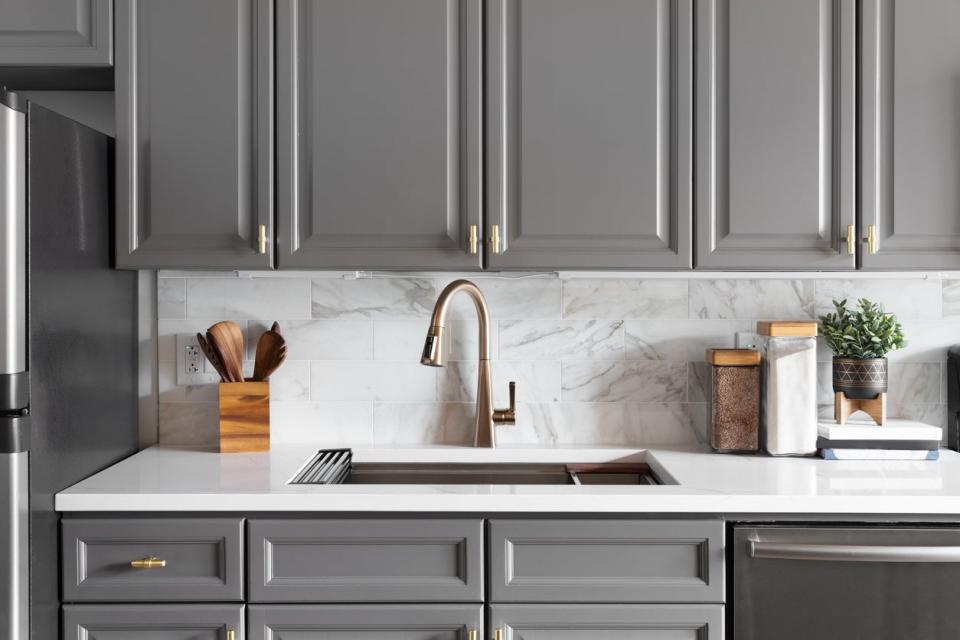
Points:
(194, 133)
(589, 134)
(156, 622)
(55, 33)
(379, 133)
(365, 622)
(910, 154)
(775, 134)
(610, 622)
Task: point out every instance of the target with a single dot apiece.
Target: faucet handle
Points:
(508, 416)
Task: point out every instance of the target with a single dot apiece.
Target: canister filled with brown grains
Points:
(734, 400)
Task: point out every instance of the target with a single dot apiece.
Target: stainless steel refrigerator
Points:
(68, 339)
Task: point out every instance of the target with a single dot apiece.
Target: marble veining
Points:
(387, 298)
(650, 381)
(755, 299)
(549, 340)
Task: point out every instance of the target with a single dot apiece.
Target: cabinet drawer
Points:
(606, 561)
(366, 560)
(203, 559)
(365, 621)
(155, 621)
(608, 621)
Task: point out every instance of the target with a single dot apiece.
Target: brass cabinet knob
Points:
(231, 634)
(871, 239)
(498, 634)
(495, 238)
(262, 239)
(473, 240)
(472, 634)
(150, 562)
(851, 239)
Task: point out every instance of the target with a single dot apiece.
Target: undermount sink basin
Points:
(336, 467)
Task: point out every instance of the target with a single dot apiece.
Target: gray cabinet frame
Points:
(82, 622)
(723, 236)
(608, 245)
(308, 242)
(89, 43)
(234, 245)
(270, 621)
(704, 622)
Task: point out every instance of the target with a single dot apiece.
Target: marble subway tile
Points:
(509, 298)
(912, 383)
(563, 339)
(322, 422)
(619, 299)
(909, 299)
(950, 290)
(649, 381)
(537, 381)
(248, 297)
(753, 299)
(424, 423)
(291, 382)
(329, 339)
(679, 340)
(699, 382)
(386, 298)
(171, 298)
(193, 423)
(399, 339)
(380, 381)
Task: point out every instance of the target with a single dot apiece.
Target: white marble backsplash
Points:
(602, 360)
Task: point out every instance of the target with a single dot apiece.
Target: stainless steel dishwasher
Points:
(849, 583)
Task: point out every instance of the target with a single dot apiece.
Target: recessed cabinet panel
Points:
(589, 134)
(56, 33)
(366, 560)
(379, 133)
(152, 622)
(606, 561)
(609, 622)
(911, 133)
(775, 134)
(365, 622)
(194, 133)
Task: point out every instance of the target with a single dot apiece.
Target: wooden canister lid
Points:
(787, 328)
(733, 357)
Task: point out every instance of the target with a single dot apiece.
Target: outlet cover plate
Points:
(207, 374)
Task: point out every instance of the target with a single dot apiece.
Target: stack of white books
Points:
(899, 439)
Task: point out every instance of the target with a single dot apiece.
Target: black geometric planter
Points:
(860, 379)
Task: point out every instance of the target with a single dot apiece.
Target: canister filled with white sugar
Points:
(789, 396)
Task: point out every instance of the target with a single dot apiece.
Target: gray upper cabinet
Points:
(194, 133)
(775, 149)
(54, 33)
(589, 134)
(365, 622)
(609, 622)
(378, 133)
(152, 622)
(910, 123)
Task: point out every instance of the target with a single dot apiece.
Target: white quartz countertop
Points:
(202, 480)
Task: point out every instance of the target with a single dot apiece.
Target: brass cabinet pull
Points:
(473, 240)
(231, 634)
(498, 634)
(262, 239)
(495, 238)
(851, 239)
(472, 634)
(871, 239)
(150, 562)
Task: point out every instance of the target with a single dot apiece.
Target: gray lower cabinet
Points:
(589, 134)
(606, 561)
(776, 125)
(910, 143)
(56, 33)
(152, 559)
(609, 622)
(378, 148)
(363, 560)
(365, 622)
(153, 622)
(194, 95)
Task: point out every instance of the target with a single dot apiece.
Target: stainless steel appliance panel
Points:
(14, 552)
(833, 583)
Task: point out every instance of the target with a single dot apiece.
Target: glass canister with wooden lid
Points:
(789, 402)
(734, 400)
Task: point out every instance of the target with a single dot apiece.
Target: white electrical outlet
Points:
(192, 366)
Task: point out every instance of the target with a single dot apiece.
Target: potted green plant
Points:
(860, 339)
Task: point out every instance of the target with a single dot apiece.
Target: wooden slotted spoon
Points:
(227, 339)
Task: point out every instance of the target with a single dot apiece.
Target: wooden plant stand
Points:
(876, 407)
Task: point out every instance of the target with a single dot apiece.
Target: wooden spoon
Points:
(227, 338)
(271, 352)
(275, 327)
(212, 356)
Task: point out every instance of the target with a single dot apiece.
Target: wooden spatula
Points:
(227, 339)
(271, 352)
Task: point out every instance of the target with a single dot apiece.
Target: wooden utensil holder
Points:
(244, 416)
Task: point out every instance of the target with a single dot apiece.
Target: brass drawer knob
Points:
(498, 634)
(472, 634)
(150, 562)
(262, 239)
(231, 634)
